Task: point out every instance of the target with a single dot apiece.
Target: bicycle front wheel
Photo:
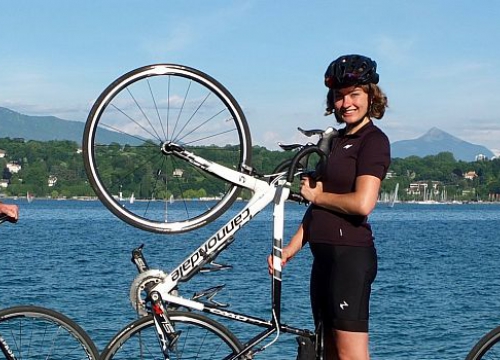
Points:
(487, 348)
(200, 338)
(135, 117)
(30, 332)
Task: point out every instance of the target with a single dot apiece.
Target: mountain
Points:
(435, 141)
(45, 128)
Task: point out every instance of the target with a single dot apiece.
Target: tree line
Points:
(62, 160)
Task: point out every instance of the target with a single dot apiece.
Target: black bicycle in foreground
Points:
(32, 332)
(487, 348)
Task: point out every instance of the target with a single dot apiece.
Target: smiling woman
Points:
(336, 223)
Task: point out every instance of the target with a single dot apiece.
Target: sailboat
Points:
(394, 196)
(29, 197)
(132, 198)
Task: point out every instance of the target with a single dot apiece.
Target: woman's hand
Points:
(310, 189)
(286, 255)
(289, 251)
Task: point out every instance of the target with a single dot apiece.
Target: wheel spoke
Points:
(200, 338)
(35, 333)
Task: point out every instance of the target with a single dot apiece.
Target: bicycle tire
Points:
(31, 332)
(488, 347)
(200, 338)
(126, 128)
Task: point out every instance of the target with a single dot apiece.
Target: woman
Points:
(335, 224)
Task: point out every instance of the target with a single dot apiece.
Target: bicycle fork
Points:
(167, 336)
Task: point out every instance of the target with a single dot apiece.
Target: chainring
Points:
(137, 289)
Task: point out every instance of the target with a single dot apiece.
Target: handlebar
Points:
(301, 158)
(305, 152)
(322, 148)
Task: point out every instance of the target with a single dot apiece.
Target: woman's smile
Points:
(351, 103)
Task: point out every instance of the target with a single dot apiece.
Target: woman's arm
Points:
(360, 202)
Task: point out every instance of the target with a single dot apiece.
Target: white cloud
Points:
(176, 39)
(75, 112)
(459, 70)
(190, 32)
(394, 50)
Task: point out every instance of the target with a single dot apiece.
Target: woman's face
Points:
(351, 104)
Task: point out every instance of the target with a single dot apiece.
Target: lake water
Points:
(436, 293)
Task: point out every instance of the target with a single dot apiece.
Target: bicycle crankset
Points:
(138, 288)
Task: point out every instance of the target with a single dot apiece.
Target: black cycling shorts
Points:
(341, 281)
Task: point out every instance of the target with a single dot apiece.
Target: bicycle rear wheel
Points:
(487, 348)
(30, 332)
(200, 338)
(122, 147)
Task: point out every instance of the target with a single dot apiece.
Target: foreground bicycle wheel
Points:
(487, 348)
(127, 128)
(200, 338)
(29, 332)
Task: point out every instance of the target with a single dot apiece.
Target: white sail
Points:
(394, 196)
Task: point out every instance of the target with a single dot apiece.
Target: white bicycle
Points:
(158, 135)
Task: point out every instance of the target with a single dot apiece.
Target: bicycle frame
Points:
(264, 193)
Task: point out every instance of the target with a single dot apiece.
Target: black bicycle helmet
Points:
(351, 70)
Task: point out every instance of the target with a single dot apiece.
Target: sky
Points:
(439, 60)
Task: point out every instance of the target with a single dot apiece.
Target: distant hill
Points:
(435, 141)
(45, 128)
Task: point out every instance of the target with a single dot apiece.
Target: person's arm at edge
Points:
(11, 211)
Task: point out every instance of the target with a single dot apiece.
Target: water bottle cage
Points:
(209, 294)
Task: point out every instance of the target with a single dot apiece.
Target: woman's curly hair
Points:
(378, 101)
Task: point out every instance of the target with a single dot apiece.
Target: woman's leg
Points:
(352, 345)
(340, 291)
(346, 345)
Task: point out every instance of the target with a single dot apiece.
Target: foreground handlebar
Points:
(4, 218)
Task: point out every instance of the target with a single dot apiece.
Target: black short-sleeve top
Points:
(366, 152)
